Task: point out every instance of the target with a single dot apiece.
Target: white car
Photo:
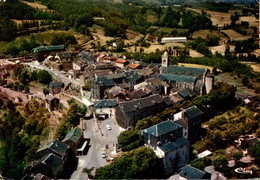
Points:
(103, 154)
(108, 127)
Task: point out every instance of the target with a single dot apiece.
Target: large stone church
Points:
(199, 80)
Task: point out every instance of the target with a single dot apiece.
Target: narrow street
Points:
(58, 75)
(97, 143)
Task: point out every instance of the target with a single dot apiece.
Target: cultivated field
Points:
(218, 18)
(133, 36)
(37, 5)
(256, 67)
(168, 30)
(221, 49)
(118, 1)
(203, 34)
(251, 19)
(153, 47)
(98, 34)
(195, 66)
(234, 35)
(194, 53)
(43, 37)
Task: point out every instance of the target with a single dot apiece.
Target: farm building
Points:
(173, 39)
(39, 53)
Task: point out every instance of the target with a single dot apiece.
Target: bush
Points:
(129, 140)
(44, 77)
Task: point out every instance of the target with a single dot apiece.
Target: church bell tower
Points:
(165, 59)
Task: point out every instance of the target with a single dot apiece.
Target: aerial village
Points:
(118, 92)
(93, 111)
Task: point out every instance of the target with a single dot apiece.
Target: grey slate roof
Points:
(129, 106)
(176, 98)
(181, 70)
(55, 84)
(178, 78)
(192, 173)
(186, 93)
(102, 81)
(64, 55)
(162, 128)
(103, 66)
(193, 112)
(132, 76)
(87, 56)
(47, 48)
(116, 75)
(54, 162)
(74, 135)
(105, 103)
(173, 145)
(56, 146)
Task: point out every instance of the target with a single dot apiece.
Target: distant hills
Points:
(192, 1)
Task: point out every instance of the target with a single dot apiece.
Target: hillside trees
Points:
(137, 164)
(195, 22)
(20, 136)
(129, 140)
(8, 29)
(171, 18)
(44, 77)
(70, 119)
(255, 152)
(66, 40)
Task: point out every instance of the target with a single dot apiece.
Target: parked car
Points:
(108, 127)
(103, 154)
(103, 117)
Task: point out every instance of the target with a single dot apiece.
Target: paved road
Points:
(97, 143)
(96, 132)
(58, 75)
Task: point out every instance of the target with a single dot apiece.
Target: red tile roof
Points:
(121, 61)
(133, 66)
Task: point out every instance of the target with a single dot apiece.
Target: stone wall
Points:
(18, 97)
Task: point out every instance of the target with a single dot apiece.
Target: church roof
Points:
(178, 78)
(181, 70)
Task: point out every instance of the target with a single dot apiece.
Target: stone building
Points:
(99, 85)
(105, 107)
(190, 119)
(129, 112)
(55, 87)
(197, 79)
(166, 139)
(39, 53)
(63, 56)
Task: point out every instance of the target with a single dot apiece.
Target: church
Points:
(199, 80)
